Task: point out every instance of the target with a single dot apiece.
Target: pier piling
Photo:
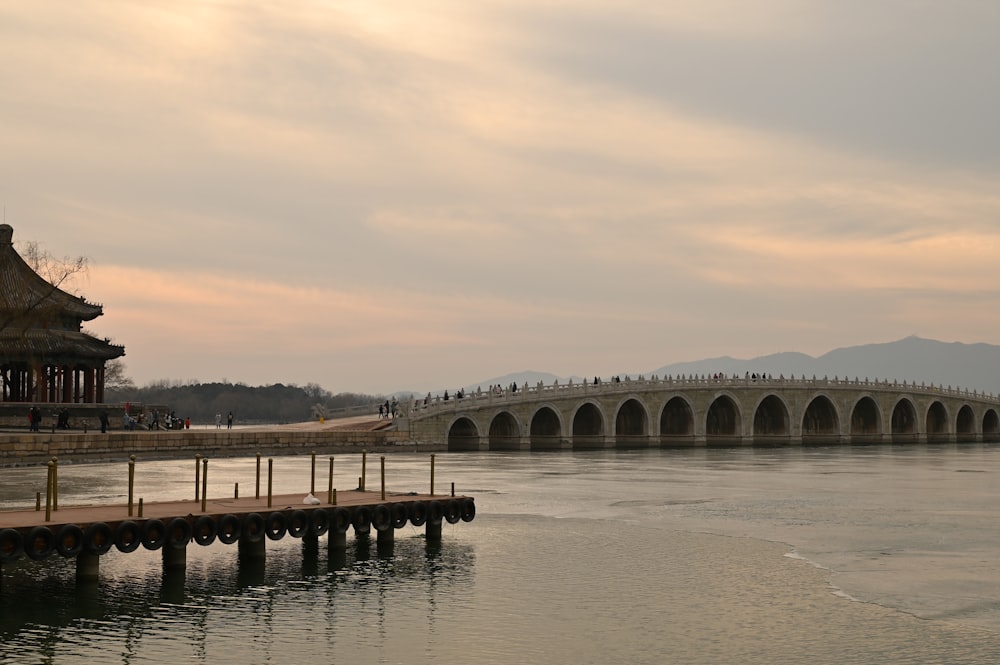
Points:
(252, 550)
(88, 566)
(174, 557)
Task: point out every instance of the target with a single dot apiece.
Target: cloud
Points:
(360, 195)
(894, 78)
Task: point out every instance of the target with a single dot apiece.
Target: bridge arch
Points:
(588, 426)
(866, 420)
(904, 421)
(632, 423)
(546, 429)
(505, 432)
(695, 411)
(463, 434)
(821, 422)
(991, 426)
(936, 422)
(965, 424)
(770, 420)
(677, 420)
(723, 424)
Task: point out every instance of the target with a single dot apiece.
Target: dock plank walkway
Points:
(163, 510)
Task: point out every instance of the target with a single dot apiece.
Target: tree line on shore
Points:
(277, 403)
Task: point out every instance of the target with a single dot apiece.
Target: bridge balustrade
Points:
(541, 391)
(702, 409)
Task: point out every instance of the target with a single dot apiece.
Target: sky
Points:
(418, 195)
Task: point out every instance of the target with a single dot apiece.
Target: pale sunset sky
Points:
(381, 196)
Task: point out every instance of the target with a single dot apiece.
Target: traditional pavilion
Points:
(45, 357)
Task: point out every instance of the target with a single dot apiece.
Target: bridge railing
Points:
(556, 390)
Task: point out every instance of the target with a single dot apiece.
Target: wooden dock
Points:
(87, 532)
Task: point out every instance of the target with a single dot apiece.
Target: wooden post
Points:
(55, 484)
(329, 491)
(364, 463)
(48, 494)
(312, 475)
(140, 506)
(432, 474)
(257, 491)
(383, 476)
(270, 478)
(131, 482)
(197, 475)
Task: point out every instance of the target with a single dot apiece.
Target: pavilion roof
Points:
(23, 291)
(55, 346)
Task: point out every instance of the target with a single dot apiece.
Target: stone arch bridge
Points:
(706, 411)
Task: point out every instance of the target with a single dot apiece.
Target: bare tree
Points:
(56, 271)
(115, 377)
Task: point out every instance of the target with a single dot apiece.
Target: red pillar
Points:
(52, 377)
(88, 385)
(67, 384)
(100, 384)
(36, 383)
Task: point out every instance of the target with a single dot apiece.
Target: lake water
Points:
(800, 555)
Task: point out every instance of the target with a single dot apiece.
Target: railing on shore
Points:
(352, 411)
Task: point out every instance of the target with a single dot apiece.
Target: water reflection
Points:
(44, 598)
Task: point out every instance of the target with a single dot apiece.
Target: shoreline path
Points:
(365, 423)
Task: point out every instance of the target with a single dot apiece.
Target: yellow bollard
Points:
(204, 483)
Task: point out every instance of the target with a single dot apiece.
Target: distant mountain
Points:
(966, 366)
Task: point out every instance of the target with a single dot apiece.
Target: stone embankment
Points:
(333, 437)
